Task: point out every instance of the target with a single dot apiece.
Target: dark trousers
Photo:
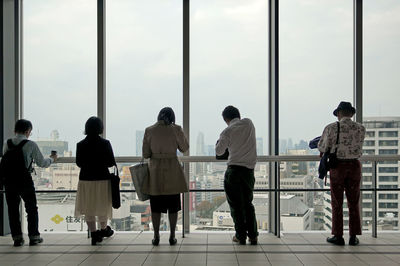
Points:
(239, 186)
(346, 177)
(14, 193)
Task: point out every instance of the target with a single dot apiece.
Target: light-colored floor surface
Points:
(202, 249)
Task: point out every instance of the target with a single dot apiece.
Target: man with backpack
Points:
(15, 171)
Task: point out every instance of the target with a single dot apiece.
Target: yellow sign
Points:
(57, 219)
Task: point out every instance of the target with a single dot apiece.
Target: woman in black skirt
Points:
(166, 180)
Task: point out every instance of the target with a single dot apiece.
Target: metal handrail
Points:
(260, 159)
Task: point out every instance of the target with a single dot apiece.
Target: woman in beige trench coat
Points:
(166, 179)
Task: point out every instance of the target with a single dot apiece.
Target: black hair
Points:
(345, 112)
(22, 125)
(94, 126)
(230, 112)
(167, 115)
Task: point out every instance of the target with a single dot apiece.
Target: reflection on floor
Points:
(202, 249)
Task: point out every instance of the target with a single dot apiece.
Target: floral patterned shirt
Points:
(351, 138)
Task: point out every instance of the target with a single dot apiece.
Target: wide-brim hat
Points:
(344, 106)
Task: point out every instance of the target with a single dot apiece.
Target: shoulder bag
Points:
(115, 195)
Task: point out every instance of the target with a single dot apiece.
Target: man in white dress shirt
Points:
(240, 140)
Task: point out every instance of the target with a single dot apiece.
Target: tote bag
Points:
(140, 174)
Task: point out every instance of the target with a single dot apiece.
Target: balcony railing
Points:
(373, 160)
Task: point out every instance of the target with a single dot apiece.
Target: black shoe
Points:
(353, 241)
(96, 237)
(339, 241)
(253, 241)
(19, 242)
(107, 232)
(155, 241)
(240, 241)
(173, 241)
(35, 240)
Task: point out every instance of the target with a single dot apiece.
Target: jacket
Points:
(94, 155)
(160, 144)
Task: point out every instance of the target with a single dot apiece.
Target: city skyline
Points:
(228, 65)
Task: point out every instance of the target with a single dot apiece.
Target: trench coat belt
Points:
(163, 156)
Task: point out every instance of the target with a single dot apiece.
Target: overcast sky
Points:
(228, 64)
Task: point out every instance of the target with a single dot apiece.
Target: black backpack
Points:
(12, 165)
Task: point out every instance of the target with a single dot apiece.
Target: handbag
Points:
(140, 175)
(329, 160)
(115, 194)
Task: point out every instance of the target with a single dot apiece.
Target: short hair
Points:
(22, 125)
(230, 112)
(167, 115)
(94, 126)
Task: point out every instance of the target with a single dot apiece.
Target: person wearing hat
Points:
(346, 175)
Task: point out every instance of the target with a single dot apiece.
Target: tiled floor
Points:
(202, 249)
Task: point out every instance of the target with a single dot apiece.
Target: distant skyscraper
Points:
(260, 146)
(139, 142)
(200, 144)
(201, 168)
(283, 146)
(210, 150)
(290, 144)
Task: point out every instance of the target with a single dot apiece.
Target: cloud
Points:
(229, 53)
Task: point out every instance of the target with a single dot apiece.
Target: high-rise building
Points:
(201, 168)
(139, 142)
(200, 144)
(260, 146)
(210, 150)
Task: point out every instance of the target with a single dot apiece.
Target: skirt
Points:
(94, 198)
(164, 203)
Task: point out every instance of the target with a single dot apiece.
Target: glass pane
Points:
(381, 57)
(144, 68)
(228, 67)
(209, 210)
(381, 109)
(316, 67)
(59, 68)
(301, 210)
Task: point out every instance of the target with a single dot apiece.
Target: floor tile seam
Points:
(234, 249)
(57, 258)
(148, 253)
(126, 246)
(207, 251)
(203, 252)
(85, 258)
(177, 255)
(265, 254)
(295, 255)
(209, 244)
(305, 239)
(328, 259)
(34, 253)
(361, 259)
(381, 254)
(385, 255)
